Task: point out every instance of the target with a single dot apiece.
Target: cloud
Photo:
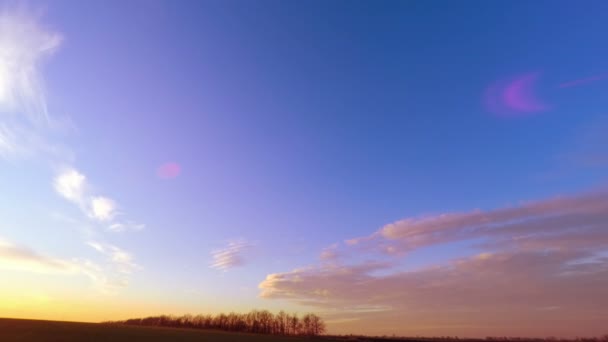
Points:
(231, 256)
(24, 116)
(120, 259)
(103, 208)
(24, 45)
(23, 258)
(71, 185)
(549, 224)
(118, 267)
(27, 130)
(20, 258)
(527, 258)
(25, 123)
(121, 227)
(330, 253)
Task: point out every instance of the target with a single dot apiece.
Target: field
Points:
(30, 330)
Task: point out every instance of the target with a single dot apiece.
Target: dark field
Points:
(30, 330)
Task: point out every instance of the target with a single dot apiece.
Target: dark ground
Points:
(42, 331)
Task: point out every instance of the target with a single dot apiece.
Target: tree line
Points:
(256, 321)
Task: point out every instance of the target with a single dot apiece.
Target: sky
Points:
(397, 167)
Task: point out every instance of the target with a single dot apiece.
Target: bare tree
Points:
(262, 322)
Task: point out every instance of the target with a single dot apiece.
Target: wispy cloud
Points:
(549, 253)
(21, 258)
(72, 185)
(25, 122)
(120, 259)
(230, 256)
(330, 253)
(129, 225)
(27, 130)
(24, 45)
(552, 223)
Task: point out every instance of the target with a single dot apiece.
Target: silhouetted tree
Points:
(261, 322)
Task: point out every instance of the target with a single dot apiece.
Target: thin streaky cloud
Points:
(26, 131)
(121, 227)
(24, 45)
(21, 258)
(25, 122)
(25, 258)
(230, 256)
(121, 262)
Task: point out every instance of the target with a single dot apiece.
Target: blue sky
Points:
(295, 126)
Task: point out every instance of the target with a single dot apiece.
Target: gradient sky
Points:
(399, 167)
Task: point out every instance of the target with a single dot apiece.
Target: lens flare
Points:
(169, 170)
(516, 97)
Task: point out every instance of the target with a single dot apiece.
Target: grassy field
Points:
(30, 330)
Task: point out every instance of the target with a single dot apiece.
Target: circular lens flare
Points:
(169, 170)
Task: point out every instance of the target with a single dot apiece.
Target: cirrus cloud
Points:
(230, 256)
(27, 130)
(21, 258)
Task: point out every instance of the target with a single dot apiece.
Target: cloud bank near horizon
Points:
(532, 268)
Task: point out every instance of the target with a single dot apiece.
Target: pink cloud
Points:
(501, 294)
(169, 170)
(574, 217)
(538, 265)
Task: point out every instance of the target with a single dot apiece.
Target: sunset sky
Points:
(397, 167)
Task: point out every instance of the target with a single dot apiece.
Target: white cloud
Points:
(25, 124)
(231, 256)
(24, 119)
(103, 208)
(23, 45)
(27, 131)
(71, 185)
